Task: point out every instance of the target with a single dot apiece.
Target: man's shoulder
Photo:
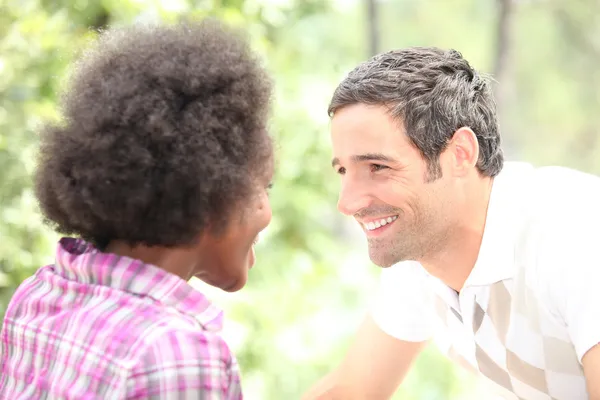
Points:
(557, 179)
(554, 200)
(564, 201)
(550, 211)
(559, 215)
(545, 180)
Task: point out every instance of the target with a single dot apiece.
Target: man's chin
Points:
(384, 260)
(383, 265)
(381, 262)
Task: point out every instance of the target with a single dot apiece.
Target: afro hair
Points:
(164, 131)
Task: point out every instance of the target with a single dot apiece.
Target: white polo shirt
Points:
(530, 309)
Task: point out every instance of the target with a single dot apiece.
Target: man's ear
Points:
(462, 152)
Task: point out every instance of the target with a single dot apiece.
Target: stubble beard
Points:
(386, 252)
(415, 240)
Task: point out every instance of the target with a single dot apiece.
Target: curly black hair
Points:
(164, 131)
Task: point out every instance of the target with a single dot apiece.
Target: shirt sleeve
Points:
(571, 271)
(183, 364)
(403, 305)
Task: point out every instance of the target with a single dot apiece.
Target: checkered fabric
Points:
(98, 326)
(515, 343)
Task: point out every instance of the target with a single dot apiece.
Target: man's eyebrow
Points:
(372, 157)
(365, 157)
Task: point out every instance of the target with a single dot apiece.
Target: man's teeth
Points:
(378, 224)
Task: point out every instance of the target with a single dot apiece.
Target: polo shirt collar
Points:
(496, 259)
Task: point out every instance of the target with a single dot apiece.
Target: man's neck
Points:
(453, 263)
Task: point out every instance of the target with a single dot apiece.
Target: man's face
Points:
(385, 186)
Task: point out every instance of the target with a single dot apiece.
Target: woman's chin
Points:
(229, 284)
(234, 286)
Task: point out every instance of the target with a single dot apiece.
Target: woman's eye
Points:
(341, 171)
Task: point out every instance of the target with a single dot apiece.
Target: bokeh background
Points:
(313, 281)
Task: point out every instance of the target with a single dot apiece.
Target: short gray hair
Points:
(433, 92)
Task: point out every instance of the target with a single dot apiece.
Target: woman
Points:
(159, 170)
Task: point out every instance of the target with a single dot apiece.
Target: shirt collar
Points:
(496, 259)
(79, 261)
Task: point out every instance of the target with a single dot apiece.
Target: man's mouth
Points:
(376, 224)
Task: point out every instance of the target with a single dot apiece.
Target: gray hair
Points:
(433, 92)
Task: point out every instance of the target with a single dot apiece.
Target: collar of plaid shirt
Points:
(79, 261)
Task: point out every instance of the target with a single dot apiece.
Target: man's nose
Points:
(353, 197)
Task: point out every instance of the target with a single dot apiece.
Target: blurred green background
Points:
(313, 280)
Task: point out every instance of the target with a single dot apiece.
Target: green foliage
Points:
(30, 43)
(312, 282)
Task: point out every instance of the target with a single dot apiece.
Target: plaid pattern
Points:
(99, 326)
(515, 343)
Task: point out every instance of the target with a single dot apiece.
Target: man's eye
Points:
(377, 167)
(341, 170)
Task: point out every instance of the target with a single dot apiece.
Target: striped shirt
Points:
(99, 326)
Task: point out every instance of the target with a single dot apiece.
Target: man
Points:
(499, 261)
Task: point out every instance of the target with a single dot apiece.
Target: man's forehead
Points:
(365, 133)
(368, 129)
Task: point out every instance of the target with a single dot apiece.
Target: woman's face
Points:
(226, 257)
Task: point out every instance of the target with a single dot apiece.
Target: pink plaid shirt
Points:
(100, 326)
